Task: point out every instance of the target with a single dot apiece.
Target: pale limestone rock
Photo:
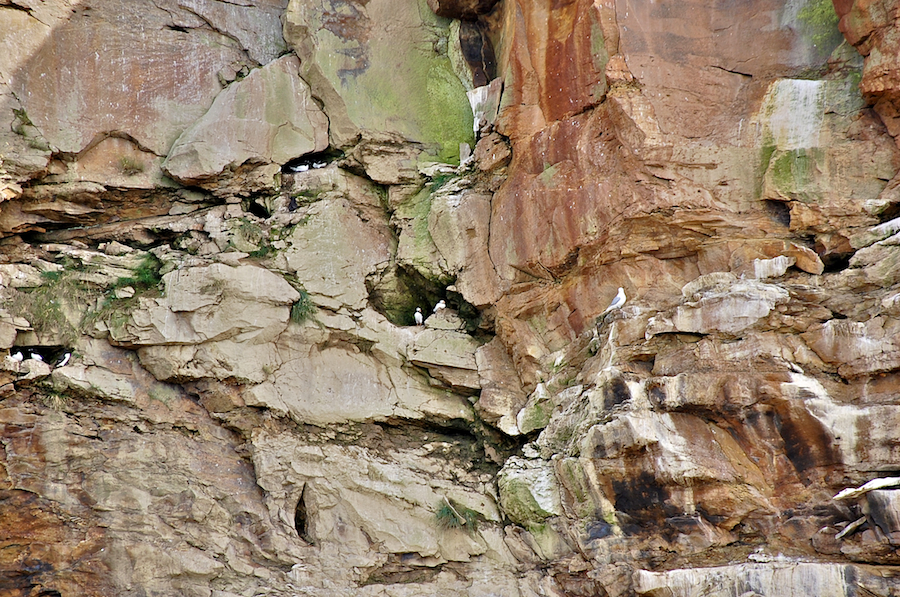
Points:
(445, 319)
(224, 360)
(879, 483)
(444, 348)
(776, 579)
(449, 356)
(33, 369)
(335, 250)
(772, 268)
(353, 495)
(267, 117)
(458, 223)
(416, 249)
(502, 395)
(528, 490)
(217, 302)
(333, 385)
(729, 309)
(93, 380)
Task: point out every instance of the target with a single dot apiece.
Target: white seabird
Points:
(18, 358)
(36, 356)
(418, 316)
(617, 302)
(64, 360)
(440, 305)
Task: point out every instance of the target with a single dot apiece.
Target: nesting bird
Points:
(617, 302)
(64, 360)
(17, 358)
(36, 356)
(440, 305)
(420, 319)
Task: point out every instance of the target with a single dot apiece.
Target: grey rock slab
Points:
(269, 116)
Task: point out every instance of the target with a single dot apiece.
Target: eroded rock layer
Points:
(311, 298)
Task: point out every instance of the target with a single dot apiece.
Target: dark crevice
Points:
(836, 262)
(301, 517)
(779, 211)
(734, 72)
(312, 161)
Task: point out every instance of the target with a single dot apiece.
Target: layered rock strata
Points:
(218, 219)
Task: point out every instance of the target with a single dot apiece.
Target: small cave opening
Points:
(301, 517)
(836, 262)
(258, 209)
(312, 161)
(891, 212)
(397, 295)
(779, 211)
(56, 355)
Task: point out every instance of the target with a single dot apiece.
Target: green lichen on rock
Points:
(394, 77)
(519, 503)
(797, 174)
(819, 24)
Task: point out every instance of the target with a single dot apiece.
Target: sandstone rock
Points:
(379, 72)
(491, 152)
(884, 511)
(267, 117)
(101, 94)
(856, 347)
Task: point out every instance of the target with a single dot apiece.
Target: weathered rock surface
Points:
(268, 117)
(218, 219)
(381, 67)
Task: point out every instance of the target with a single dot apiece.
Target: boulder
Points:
(267, 117)
(211, 303)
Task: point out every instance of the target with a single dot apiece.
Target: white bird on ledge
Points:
(617, 302)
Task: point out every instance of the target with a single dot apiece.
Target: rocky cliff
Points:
(217, 221)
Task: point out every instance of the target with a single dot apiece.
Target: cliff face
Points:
(219, 218)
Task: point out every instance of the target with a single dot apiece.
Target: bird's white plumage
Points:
(418, 316)
(36, 356)
(18, 358)
(65, 359)
(440, 305)
(617, 302)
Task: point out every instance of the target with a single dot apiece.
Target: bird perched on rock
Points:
(617, 302)
(18, 357)
(418, 316)
(440, 305)
(64, 360)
